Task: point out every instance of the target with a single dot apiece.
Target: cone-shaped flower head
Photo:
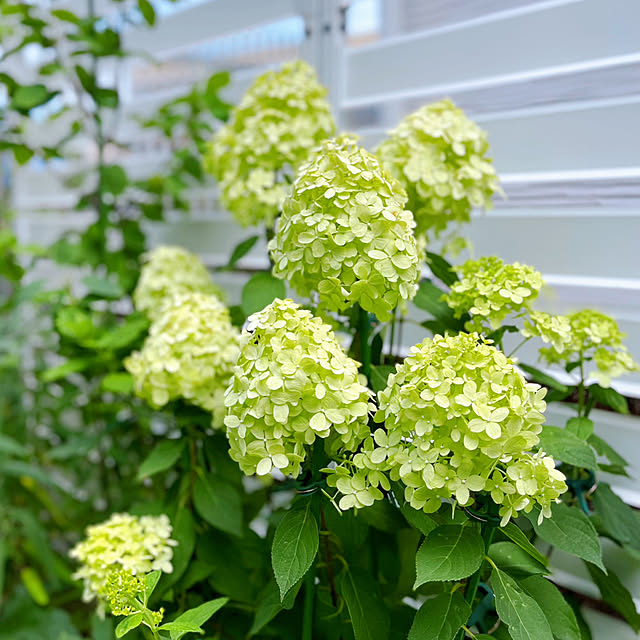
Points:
(189, 353)
(282, 116)
(456, 413)
(134, 544)
(490, 290)
(293, 383)
(580, 335)
(168, 272)
(440, 157)
(344, 233)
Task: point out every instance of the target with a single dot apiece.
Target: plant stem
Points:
(364, 329)
(392, 337)
(581, 390)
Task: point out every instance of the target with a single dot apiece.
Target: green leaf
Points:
(369, 615)
(515, 534)
(66, 16)
(518, 610)
(74, 365)
(11, 447)
(34, 586)
(113, 179)
(618, 518)
(557, 610)
(119, 382)
(542, 378)
(150, 583)
(147, 11)
(604, 449)
(219, 504)
(192, 620)
(441, 269)
(87, 79)
(261, 290)
(270, 606)
(429, 299)
(379, 376)
(615, 594)
(514, 560)
(571, 530)
(582, 428)
(440, 618)
(184, 532)
(22, 153)
(295, 546)
(163, 456)
(4, 555)
(128, 624)
(422, 521)
(450, 552)
(101, 629)
(241, 250)
(28, 97)
(103, 287)
(609, 398)
(565, 446)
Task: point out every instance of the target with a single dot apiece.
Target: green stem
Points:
(364, 329)
(392, 337)
(581, 390)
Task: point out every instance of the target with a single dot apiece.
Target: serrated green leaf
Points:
(241, 250)
(295, 546)
(419, 519)
(441, 269)
(379, 375)
(604, 449)
(582, 428)
(571, 530)
(515, 534)
(440, 618)
(609, 398)
(542, 378)
(615, 594)
(450, 552)
(150, 583)
(270, 605)
(261, 290)
(192, 620)
(184, 532)
(128, 624)
(367, 610)
(557, 610)
(618, 518)
(518, 610)
(162, 457)
(428, 299)
(565, 446)
(219, 504)
(514, 560)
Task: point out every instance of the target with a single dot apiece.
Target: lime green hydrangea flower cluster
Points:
(125, 594)
(581, 335)
(440, 157)
(458, 417)
(345, 234)
(134, 544)
(293, 383)
(282, 116)
(168, 272)
(189, 353)
(490, 290)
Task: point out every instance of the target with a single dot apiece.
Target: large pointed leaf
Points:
(450, 552)
(295, 546)
(557, 610)
(369, 615)
(440, 618)
(518, 610)
(192, 620)
(618, 518)
(515, 534)
(219, 504)
(162, 457)
(128, 624)
(514, 560)
(571, 530)
(615, 594)
(565, 446)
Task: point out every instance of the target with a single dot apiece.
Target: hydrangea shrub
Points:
(458, 419)
(281, 117)
(345, 234)
(292, 383)
(189, 353)
(441, 159)
(167, 272)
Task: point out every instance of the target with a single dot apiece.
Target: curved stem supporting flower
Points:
(364, 329)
